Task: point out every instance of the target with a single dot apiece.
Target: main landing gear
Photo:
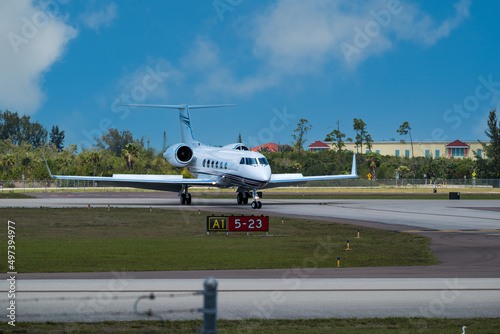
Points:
(242, 198)
(185, 196)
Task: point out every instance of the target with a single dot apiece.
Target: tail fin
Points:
(186, 129)
(353, 169)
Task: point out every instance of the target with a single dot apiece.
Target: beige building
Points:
(435, 149)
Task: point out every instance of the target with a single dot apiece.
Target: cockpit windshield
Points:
(253, 161)
(263, 161)
(250, 161)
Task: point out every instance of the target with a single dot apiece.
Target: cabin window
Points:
(213, 164)
(242, 161)
(217, 164)
(204, 160)
(225, 165)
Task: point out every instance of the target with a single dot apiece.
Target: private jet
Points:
(231, 166)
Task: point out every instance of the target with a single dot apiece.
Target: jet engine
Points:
(179, 155)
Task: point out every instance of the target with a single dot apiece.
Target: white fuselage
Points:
(229, 167)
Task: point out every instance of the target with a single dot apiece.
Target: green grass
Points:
(12, 194)
(82, 240)
(345, 326)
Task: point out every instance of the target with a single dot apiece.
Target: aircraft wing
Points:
(284, 180)
(143, 181)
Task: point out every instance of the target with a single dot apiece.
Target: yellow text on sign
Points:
(217, 223)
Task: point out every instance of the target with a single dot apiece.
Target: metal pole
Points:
(210, 306)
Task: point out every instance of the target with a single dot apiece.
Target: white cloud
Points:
(32, 39)
(296, 37)
(102, 18)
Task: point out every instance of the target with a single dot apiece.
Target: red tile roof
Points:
(271, 146)
(457, 143)
(318, 144)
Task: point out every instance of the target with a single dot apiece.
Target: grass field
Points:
(82, 240)
(345, 326)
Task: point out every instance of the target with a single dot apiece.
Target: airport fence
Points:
(158, 312)
(85, 185)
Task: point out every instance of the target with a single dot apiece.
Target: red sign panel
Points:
(247, 223)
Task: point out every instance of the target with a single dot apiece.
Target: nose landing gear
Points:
(256, 205)
(243, 196)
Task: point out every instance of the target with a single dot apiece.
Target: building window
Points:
(427, 153)
(436, 154)
(367, 151)
(397, 153)
(458, 152)
(480, 153)
(407, 153)
(377, 151)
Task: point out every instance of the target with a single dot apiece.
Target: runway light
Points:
(358, 234)
(89, 206)
(338, 261)
(150, 209)
(347, 245)
(108, 207)
(282, 220)
(199, 211)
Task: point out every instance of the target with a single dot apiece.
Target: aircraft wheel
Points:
(183, 199)
(259, 204)
(188, 199)
(254, 205)
(245, 199)
(239, 198)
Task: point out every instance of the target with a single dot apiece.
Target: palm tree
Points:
(8, 161)
(95, 157)
(130, 153)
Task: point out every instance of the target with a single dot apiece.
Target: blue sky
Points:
(431, 63)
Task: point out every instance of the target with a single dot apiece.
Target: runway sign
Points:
(238, 223)
(248, 223)
(216, 223)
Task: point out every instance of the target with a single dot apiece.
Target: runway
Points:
(291, 298)
(465, 237)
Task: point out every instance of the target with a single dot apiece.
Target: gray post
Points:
(210, 306)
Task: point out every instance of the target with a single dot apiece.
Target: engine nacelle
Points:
(179, 155)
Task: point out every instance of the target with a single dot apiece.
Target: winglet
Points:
(353, 169)
(46, 164)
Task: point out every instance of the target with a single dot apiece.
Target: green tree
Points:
(95, 157)
(403, 171)
(492, 149)
(130, 153)
(405, 129)
(362, 135)
(373, 162)
(299, 137)
(115, 141)
(337, 137)
(8, 161)
(57, 138)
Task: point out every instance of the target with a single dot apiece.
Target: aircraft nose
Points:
(266, 174)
